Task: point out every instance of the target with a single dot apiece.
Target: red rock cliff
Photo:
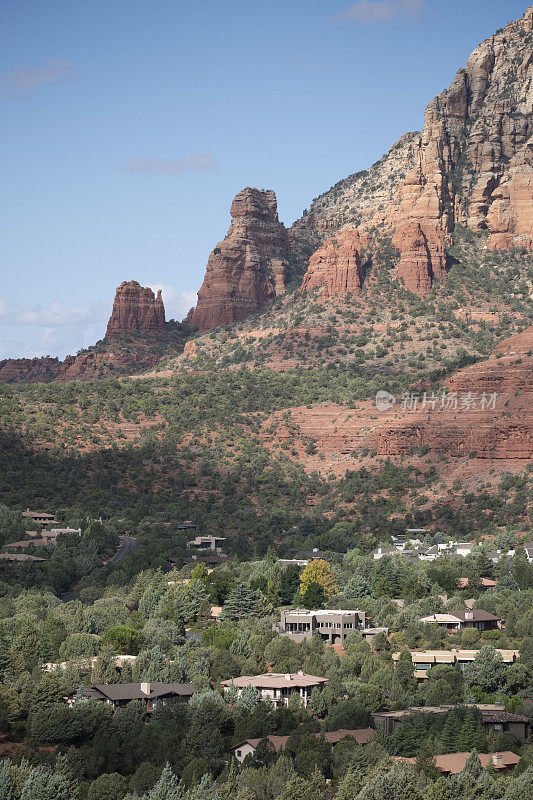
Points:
(336, 265)
(472, 163)
(423, 258)
(247, 269)
(135, 309)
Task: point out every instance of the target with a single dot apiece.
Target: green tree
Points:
(241, 602)
(471, 736)
(111, 786)
(167, 787)
(123, 638)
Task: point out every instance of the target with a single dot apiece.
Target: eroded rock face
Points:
(475, 154)
(472, 163)
(423, 258)
(336, 265)
(29, 370)
(247, 269)
(494, 422)
(135, 310)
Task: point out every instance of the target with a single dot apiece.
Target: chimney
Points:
(288, 676)
(497, 759)
(469, 615)
(145, 688)
(300, 672)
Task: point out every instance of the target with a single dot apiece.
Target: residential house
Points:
(88, 663)
(453, 763)
(312, 555)
(486, 584)
(207, 543)
(19, 557)
(469, 618)
(423, 660)
(332, 625)
(120, 694)
(25, 543)
(249, 746)
(40, 516)
(279, 688)
(494, 718)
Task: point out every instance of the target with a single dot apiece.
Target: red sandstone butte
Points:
(247, 269)
(336, 265)
(135, 309)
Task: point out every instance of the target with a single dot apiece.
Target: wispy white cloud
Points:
(195, 162)
(36, 75)
(381, 10)
(177, 302)
(60, 329)
(54, 328)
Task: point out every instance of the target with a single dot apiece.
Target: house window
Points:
(422, 666)
(497, 726)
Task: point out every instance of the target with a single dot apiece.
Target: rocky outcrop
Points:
(472, 163)
(423, 258)
(489, 410)
(247, 269)
(135, 310)
(29, 370)
(336, 265)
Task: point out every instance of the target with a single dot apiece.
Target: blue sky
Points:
(128, 127)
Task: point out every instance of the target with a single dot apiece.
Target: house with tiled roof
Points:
(249, 746)
(279, 688)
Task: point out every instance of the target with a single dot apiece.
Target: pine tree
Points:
(240, 603)
(471, 735)
(42, 784)
(206, 789)
(167, 787)
(473, 765)
(351, 785)
(5, 780)
(404, 673)
(448, 737)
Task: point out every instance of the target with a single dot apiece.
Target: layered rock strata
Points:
(336, 265)
(135, 310)
(247, 269)
(472, 163)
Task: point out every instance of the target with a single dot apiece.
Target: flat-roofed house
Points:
(120, 694)
(207, 543)
(469, 618)
(279, 688)
(423, 660)
(40, 516)
(493, 717)
(333, 625)
(19, 557)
